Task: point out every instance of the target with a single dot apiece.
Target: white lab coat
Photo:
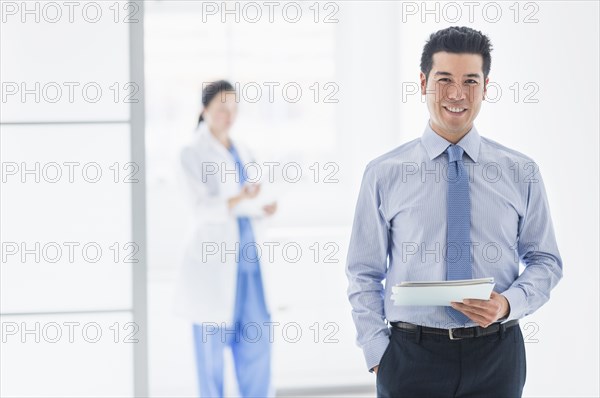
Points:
(206, 286)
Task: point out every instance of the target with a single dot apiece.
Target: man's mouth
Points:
(455, 111)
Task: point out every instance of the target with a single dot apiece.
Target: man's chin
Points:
(455, 124)
(455, 130)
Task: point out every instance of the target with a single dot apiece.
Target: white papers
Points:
(253, 207)
(441, 292)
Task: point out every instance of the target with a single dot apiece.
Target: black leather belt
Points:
(456, 333)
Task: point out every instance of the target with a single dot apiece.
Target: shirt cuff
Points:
(374, 350)
(517, 301)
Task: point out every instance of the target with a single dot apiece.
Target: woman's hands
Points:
(270, 209)
(249, 191)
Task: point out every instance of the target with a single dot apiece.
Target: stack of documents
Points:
(441, 292)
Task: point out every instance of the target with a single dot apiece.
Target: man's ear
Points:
(423, 83)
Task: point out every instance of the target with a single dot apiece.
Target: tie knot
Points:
(455, 153)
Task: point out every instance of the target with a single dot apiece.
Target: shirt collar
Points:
(436, 144)
(204, 133)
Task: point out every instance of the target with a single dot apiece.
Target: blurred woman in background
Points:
(220, 292)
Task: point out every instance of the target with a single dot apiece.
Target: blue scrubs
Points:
(249, 337)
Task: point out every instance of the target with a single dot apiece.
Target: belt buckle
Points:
(452, 337)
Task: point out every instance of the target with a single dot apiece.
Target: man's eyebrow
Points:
(477, 75)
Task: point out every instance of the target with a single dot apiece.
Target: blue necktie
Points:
(458, 255)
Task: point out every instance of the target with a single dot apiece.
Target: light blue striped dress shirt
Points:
(399, 233)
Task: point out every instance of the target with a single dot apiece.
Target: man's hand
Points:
(484, 312)
(375, 369)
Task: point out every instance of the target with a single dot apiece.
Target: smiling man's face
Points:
(454, 92)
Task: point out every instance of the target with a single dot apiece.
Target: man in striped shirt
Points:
(405, 218)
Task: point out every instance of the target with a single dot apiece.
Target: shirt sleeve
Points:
(366, 267)
(538, 251)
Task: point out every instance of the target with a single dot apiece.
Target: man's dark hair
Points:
(457, 40)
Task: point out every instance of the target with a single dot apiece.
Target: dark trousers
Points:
(427, 365)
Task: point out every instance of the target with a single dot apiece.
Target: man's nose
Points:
(455, 92)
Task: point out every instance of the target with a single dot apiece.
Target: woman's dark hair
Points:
(210, 91)
(457, 40)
